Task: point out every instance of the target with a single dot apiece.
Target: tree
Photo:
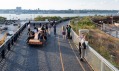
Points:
(2, 19)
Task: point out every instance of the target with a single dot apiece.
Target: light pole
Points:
(13, 18)
(31, 17)
(34, 16)
(111, 19)
(16, 18)
(10, 17)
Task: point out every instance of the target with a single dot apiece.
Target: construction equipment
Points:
(2, 40)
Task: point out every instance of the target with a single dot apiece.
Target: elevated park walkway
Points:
(57, 54)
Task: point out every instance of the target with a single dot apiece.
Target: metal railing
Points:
(94, 59)
(6, 46)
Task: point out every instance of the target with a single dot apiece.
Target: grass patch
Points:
(50, 18)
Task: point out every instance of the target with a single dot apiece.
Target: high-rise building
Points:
(18, 10)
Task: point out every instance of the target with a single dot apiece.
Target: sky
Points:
(60, 4)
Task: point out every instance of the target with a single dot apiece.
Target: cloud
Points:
(103, 2)
(60, 4)
(116, 0)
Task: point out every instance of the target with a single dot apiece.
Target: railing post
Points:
(19, 33)
(3, 54)
(9, 46)
(17, 36)
(102, 65)
(117, 34)
(14, 38)
(12, 42)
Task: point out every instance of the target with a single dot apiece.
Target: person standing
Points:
(68, 31)
(42, 28)
(64, 32)
(54, 29)
(80, 38)
(35, 29)
(83, 46)
(40, 25)
(28, 26)
(46, 27)
(49, 29)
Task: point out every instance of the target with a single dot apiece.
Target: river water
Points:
(32, 16)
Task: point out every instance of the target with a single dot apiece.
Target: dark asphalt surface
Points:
(56, 55)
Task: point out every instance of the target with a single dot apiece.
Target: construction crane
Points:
(2, 40)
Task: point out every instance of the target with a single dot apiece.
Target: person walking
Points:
(83, 46)
(54, 29)
(64, 32)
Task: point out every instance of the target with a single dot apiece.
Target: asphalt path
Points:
(57, 54)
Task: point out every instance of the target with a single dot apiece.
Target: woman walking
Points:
(83, 46)
(64, 32)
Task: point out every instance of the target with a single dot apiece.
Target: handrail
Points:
(11, 39)
(103, 59)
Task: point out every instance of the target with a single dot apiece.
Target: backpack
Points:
(70, 37)
(84, 45)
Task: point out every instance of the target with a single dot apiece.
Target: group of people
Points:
(45, 30)
(66, 32)
(42, 33)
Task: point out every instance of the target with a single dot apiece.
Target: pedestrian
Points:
(34, 25)
(64, 32)
(69, 31)
(49, 29)
(40, 25)
(54, 29)
(31, 35)
(46, 27)
(35, 29)
(28, 27)
(83, 46)
(43, 28)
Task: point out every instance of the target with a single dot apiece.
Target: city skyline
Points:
(60, 4)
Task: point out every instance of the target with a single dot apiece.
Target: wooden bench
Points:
(35, 41)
